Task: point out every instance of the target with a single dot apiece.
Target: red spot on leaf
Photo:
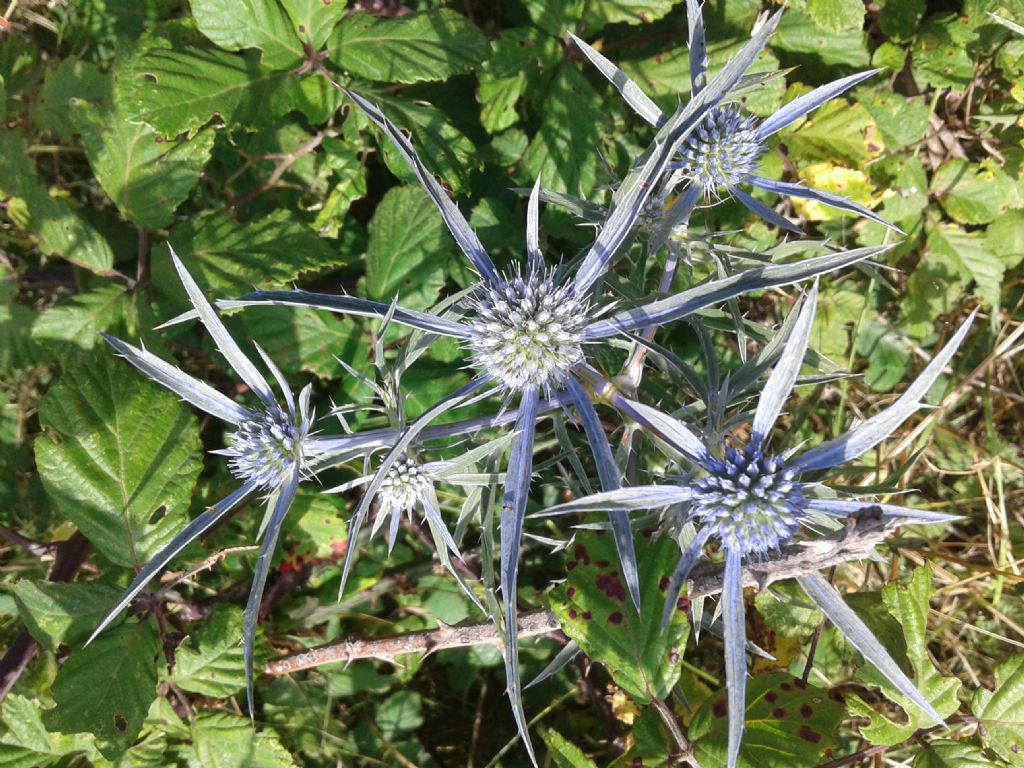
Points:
(806, 711)
(581, 554)
(610, 584)
(807, 734)
(778, 713)
(615, 617)
(719, 708)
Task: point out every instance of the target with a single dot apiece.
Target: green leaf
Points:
(943, 753)
(107, 688)
(887, 353)
(228, 258)
(71, 79)
(431, 45)
(227, 741)
(932, 291)
(967, 251)
(902, 120)
(157, 85)
(972, 194)
(837, 131)
(1002, 712)
(899, 18)
(400, 712)
(564, 753)
(56, 613)
(238, 24)
(408, 251)
(146, 176)
(939, 53)
(909, 606)
(210, 663)
(601, 13)
(307, 339)
(60, 230)
(836, 15)
(314, 19)
(81, 320)
(799, 34)
(519, 59)
(1005, 238)
(317, 523)
(25, 742)
(450, 154)
(563, 154)
(789, 724)
(349, 169)
(118, 458)
(592, 607)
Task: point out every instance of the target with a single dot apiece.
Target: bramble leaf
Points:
(56, 613)
(118, 458)
(789, 724)
(1001, 711)
(594, 610)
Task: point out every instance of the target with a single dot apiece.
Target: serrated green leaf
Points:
(408, 250)
(798, 34)
(146, 176)
(967, 251)
(887, 353)
(238, 24)
(592, 607)
(210, 662)
(564, 752)
(939, 53)
(909, 606)
(837, 131)
(1001, 712)
(943, 753)
(118, 458)
(349, 168)
(307, 340)
(318, 524)
(902, 120)
(228, 258)
(932, 291)
(1005, 238)
(972, 194)
(430, 45)
(784, 609)
(314, 19)
(226, 741)
(399, 713)
(71, 79)
(789, 724)
(56, 613)
(899, 18)
(157, 85)
(107, 688)
(518, 61)
(836, 15)
(601, 13)
(25, 742)
(81, 320)
(59, 229)
(449, 153)
(562, 154)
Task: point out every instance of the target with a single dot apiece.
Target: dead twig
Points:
(854, 542)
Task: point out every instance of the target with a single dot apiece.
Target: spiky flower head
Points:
(528, 330)
(750, 501)
(404, 485)
(266, 447)
(721, 153)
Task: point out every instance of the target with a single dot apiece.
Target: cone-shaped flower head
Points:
(751, 502)
(404, 486)
(721, 153)
(528, 330)
(267, 447)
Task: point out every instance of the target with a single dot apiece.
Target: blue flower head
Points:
(752, 502)
(720, 157)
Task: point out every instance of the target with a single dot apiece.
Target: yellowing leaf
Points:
(849, 183)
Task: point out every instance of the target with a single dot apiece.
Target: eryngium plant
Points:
(526, 332)
(751, 502)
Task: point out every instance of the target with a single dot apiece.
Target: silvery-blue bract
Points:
(752, 502)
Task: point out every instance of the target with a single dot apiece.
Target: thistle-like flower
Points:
(752, 502)
(526, 332)
(720, 156)
(270, 451)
